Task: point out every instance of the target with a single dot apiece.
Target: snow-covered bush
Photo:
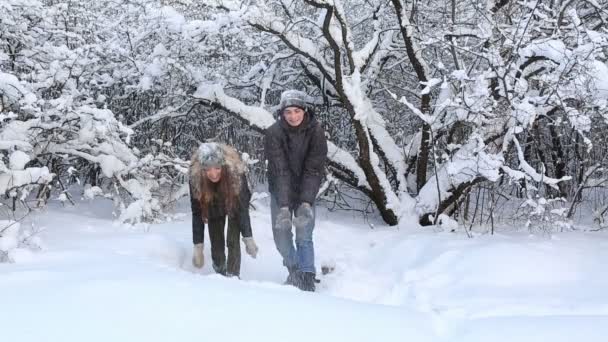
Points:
(14, 237)
(60, 72)
(546, 215)
(420, 104)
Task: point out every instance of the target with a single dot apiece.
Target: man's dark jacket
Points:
(296, 160)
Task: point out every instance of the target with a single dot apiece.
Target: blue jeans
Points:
(302, 256)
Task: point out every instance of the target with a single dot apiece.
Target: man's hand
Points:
(304, 215)
(283, 220)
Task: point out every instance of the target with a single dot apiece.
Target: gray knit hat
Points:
(293, 98)
(210, 155)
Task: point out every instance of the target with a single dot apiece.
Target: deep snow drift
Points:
(94, 280)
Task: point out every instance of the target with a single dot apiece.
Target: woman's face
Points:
(214, 173)
(294, 116)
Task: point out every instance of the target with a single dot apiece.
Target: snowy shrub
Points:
(57, 128)
(546, 215)
(13, 237)
(420, 104)
(154, 186)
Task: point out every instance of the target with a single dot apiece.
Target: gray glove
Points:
(250, 247)
(304, 216)
(283, 219)
(198, 258)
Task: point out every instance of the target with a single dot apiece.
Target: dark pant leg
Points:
(216, 235)
(234, 247)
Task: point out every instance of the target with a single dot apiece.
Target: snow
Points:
(206, 150)
(374, 125)
(309, 48)
(341, 157)
(16, 134)
(552, 49)
(599, 78)
(410, 33)
(110, 165)
(175, 21)
(18, 178)
(580, 122)
(525, 113)
(530, 171)
(429, 85)
(91, 191)
(361, 57)
(460, 75)
(9, 235)
(18, 159)
(574, 16)
(97, 281)
(254, 115)
(424, 117)
(468, 163)
(160, 50)
(10, 86)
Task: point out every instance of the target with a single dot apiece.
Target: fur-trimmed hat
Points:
(210, 155)
(216, 154)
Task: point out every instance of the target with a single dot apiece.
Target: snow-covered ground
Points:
(94, 280)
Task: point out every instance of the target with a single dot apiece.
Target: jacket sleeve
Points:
(198, 226)
(244, 198)
(314, 166)
(278, 165)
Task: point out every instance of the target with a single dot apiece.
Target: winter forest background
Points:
(464, 113)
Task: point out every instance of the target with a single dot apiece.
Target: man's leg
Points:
(283, 239)
(305, 246)
(306, 255)
(234, 248)
(216, 235)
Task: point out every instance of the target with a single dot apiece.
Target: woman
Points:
(219, 190)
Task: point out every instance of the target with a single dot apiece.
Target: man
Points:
(296, 150)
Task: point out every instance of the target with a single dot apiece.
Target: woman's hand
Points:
(198, 258)
(250, 246)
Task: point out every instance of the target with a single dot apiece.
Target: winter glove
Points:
(198, 259)
(250, 247)
(304, 216)
(283, 220)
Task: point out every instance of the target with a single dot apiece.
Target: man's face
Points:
(214, 174)
(293, 115)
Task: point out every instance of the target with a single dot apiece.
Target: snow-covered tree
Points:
(422, 101)
(474, 78)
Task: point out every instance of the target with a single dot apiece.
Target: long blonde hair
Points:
(223, 190)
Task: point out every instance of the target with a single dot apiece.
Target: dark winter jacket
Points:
(216, 208)
(296, 160)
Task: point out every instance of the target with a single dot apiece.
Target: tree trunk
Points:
(448, 204)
